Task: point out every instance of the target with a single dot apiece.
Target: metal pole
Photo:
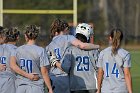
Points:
(1, 12)
(74, 12)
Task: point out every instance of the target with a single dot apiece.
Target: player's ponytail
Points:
(12, 34)
(58, 26)
(117, 36)
(32, 32)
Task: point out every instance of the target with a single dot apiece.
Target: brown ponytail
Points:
(117, 36)
(12, 34)
(58, 26)
(32, 32)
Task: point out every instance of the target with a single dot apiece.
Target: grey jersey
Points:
(82, 69)
(59, 45)
(113, 80)
(30, 58)
(7, 50)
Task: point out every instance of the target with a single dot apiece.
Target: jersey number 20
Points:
(83, 63)
(26, 65)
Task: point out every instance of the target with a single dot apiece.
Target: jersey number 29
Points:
(83, 63)
(26, 65)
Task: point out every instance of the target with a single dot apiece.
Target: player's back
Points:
(6, 51)
(113, 69)
(83, 69)
(59, 44)
(28, 58)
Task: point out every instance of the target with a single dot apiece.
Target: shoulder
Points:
(106, 50)
(10, 47)
(20, 47)
(123, 53)
(38, 48)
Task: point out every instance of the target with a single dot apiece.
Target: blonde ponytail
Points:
(116, 35)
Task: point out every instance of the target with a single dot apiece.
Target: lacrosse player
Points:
(60, 42)
(2, 38)
(7, 76)
(2, 35)
(30, 64)
(114, 66)
(80, 64)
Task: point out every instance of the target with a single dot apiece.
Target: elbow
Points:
(82, 46)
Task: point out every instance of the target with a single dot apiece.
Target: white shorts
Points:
(29, 89)
(7, 85)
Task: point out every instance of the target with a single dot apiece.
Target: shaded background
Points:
(103, 14)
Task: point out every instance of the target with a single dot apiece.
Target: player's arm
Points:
(65, 65)
(127, 74)
(128, 80)
(46, 78)
(17, 69)
(81, 45)
(99, 79)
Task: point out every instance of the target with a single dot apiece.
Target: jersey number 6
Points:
(3, 60)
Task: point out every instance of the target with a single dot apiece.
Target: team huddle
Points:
(68, 64)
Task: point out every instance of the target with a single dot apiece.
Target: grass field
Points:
(135, 70)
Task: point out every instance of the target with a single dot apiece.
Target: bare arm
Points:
(128, 80)
(58, 64)
(99, 79)
(17, 69)
(46, 78)
(87, 46)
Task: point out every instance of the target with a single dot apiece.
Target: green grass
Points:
(135, 71)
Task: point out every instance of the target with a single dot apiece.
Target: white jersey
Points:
(6, 51)
(59, 44)
(60, 79)
(7, 77)
(82, 68)
(113, 80)
(30, 58)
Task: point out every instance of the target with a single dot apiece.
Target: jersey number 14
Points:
(114, 71)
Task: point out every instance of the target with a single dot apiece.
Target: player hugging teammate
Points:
(67, 65)
(7, 49)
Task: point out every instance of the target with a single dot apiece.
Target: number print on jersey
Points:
(57, 53)
(26, 65)
(83, 63)
(114, 71)
(3, 60)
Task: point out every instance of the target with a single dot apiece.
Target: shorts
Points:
(7, 85)
(85, 91)
(60, 84)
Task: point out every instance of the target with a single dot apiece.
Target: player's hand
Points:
(2, 67)
(98, 91)
(33, 76)
(50, 91)
(53, 58)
